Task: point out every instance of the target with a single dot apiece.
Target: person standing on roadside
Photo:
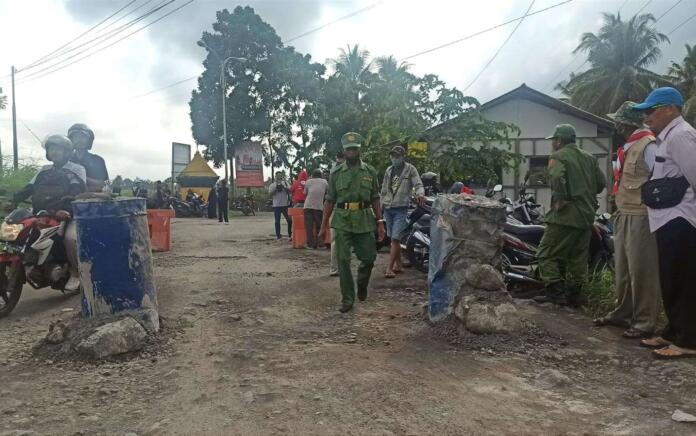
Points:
(635, 248)
(354, 192)
(297, 189)
(575, 180)
(315, 191)
(280, 190)
(673, 222)
(223, 198)
(333, 268)
(400, 180)
(212, 202)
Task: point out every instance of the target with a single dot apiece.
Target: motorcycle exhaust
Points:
(521, 278)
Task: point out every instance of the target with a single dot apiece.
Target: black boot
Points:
(362, 293)
(345, 308)
(554, 293)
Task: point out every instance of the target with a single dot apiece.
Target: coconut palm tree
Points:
(619, 55)
(684, 77)
(353, 64)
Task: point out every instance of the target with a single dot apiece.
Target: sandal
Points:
(672, 352)
(607, 321)
(389, 275)
(655, 343)
(636, 334)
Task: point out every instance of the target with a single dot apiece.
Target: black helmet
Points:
(79, 127)
(59, 141)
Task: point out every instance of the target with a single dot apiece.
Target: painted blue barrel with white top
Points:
(115, 258)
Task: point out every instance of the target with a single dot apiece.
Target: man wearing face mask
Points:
(354, 191)
(52, 190)
(82, 138)
(400, 180)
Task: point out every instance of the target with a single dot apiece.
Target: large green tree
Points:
(683, 75)
(267, 85)
(620, 55)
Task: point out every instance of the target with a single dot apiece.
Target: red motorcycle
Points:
(31, 251)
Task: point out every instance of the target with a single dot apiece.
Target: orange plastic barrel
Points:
(159, 224)
(299, 236)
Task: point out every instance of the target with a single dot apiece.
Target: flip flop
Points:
(655, 343)
(672, 352)
(389, 275)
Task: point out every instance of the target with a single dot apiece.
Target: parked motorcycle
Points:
(32, 252)
(415, 238)
(521, 242)
(185, 209)
(247, 204)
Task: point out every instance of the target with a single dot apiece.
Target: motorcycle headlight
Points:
(9, 232)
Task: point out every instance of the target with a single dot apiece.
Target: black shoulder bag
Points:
(664, 192)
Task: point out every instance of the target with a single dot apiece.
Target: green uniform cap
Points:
(565, 131)
(351, 140)
(626, 115)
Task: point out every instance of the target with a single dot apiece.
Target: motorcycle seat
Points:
(531, 234)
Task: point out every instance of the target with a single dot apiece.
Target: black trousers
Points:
(312, 222)
(223, 210)
(277, 211)
(676, 249)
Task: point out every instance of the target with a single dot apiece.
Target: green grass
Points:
(12, 181)
(600, 294)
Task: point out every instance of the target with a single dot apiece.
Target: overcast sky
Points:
(134, 135)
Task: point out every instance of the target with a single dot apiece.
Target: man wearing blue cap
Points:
(673, 220)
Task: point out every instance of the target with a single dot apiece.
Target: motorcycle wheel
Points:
(11, 282)
(246, 210)
(416, 259)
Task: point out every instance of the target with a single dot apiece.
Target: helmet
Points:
(59, 141)
(79, 127)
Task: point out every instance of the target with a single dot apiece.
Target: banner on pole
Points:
(249, 165)
(181, 156)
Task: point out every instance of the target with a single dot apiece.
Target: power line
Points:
(456, 41)
(668, 10)
(495, 55)
(104, 37)
(164, 87)
(644, 6)
(352, 14)
(109, 45)
(622, 5)
(684, 22)
(78, 36)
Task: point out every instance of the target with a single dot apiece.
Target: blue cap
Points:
(661, 97)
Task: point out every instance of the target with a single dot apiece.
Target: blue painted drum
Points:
(115, 259)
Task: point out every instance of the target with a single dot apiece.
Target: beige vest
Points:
(635, 172)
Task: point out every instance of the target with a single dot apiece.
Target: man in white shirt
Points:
(675, 226)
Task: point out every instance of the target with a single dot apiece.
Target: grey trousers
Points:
(637, 273)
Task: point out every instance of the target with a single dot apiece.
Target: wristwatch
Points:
(381, 220)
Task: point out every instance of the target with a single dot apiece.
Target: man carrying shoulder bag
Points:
(671, 201)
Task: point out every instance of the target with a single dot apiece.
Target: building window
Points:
(538, 173)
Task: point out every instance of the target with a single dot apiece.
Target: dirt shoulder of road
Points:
(251, 343)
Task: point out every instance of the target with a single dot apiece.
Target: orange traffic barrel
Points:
(299, 236)
(160, 226)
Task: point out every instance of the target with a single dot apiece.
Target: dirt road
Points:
(252, 344)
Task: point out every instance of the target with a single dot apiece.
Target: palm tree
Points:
(353, 64)
(390, 70)
(683, 76)
(619, 55)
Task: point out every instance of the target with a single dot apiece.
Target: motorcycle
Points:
(32, 252)
(521, 242)
(247, 204)
(185, 209)
(415, 238)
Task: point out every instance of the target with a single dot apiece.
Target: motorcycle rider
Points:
(82, 138)
(52, 190)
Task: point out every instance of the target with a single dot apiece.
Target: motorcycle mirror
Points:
(498, 188)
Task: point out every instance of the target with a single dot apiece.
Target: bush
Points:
(12, 181)
(600, 294)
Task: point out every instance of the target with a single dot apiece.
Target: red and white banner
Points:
(249, 165)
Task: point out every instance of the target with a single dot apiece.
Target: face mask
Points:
(397, 161)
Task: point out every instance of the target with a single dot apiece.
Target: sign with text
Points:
(248, 165)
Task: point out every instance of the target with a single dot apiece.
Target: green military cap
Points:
(565, 131)
(351, 139)
(626, 115)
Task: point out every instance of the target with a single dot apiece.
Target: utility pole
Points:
(15, 159)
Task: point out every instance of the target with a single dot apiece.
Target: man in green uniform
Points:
(354, 193)
(575, 180)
